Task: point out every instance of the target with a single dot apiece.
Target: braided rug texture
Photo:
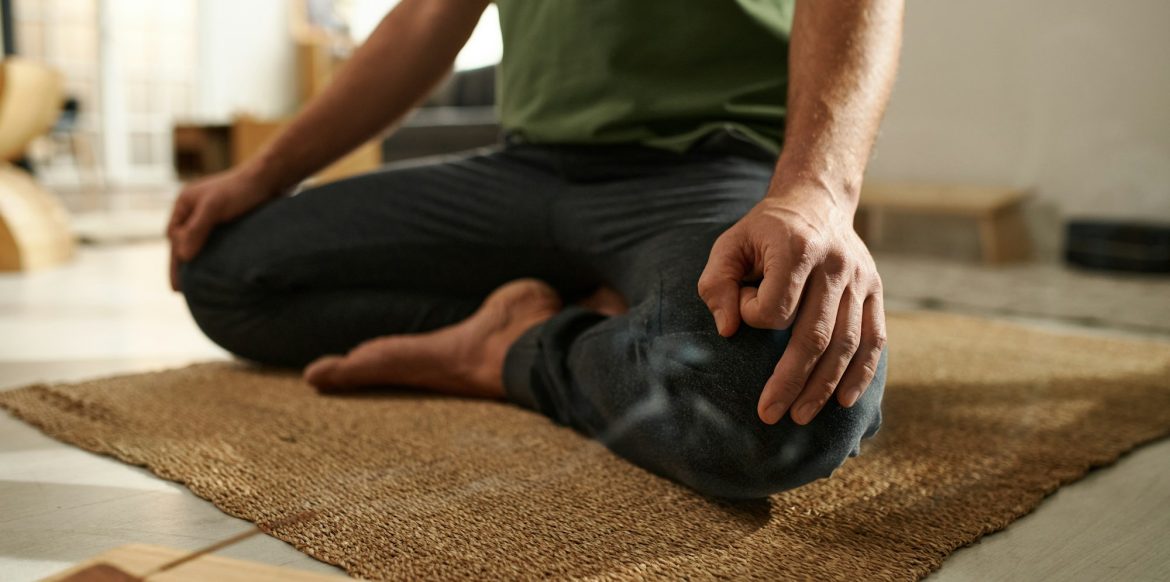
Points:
(982, 421)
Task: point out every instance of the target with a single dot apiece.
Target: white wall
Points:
(1069, 97)
(485, 47)
(247, 60)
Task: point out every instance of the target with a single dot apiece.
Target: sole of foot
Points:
(465, 359)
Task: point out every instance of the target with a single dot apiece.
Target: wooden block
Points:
(940, 198)
(998, 212)
(138, 559)
(1004, 236)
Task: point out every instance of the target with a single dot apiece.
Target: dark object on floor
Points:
(1118, 246)
(984, 420)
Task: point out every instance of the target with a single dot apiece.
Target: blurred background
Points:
(1022, 173)
(159, 92)
(1023, 168)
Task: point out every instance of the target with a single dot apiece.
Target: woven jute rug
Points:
(983, 420)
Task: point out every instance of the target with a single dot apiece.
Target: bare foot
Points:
(465, 359)
(605, 301)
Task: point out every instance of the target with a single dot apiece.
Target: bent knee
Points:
(764, 459)
(228, 311)
(719, 446)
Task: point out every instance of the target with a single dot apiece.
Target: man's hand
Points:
(817, 272)
(408, 54)
(205, 203)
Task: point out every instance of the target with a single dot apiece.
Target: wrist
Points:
(842, 196)
(819, 164)
(266, 174)
(836, 181)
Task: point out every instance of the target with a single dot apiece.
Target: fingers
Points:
(774, 304)
(719, 285)
(193, 233)
(811, 337)
(862, 369)
(833, 363)
(176, 285)
(179, 215)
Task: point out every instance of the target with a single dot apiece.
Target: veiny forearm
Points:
(843, 57)
(392, 72)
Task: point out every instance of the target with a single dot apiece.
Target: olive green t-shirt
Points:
(663, 73)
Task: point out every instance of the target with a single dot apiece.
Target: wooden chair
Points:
(998, 212)
(34, 226)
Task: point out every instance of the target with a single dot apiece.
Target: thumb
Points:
(719, 284)
(176, 283)
(193, 233)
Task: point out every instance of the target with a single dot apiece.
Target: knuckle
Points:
(824, 390)
(869, 371)
(837, 262)
(707, 287)
(817, 339)
(773, 320)
(759, 320)
(848, 341)
(878, 342)
(791, 389)
(725, 242)
(799, 244)
(820, 387)
(805, 258)
(784, 313)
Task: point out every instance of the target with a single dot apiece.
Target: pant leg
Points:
(406, 249)
(658, 385)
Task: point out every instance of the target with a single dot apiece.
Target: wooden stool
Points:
(998, 212)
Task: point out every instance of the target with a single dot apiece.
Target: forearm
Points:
(396, 68)
(843, 56)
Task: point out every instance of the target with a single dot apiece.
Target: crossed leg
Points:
(406, 250)
(656, 385)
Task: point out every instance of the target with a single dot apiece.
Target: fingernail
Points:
(772, 413)
(806, 412)
(718, 314)
(851, 397)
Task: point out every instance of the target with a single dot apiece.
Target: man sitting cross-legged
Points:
(633, 261)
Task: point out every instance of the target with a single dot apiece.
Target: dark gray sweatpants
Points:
(417, 246)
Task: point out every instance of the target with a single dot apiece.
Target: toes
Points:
(322, 372)
(605, 301)
(525, 293)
